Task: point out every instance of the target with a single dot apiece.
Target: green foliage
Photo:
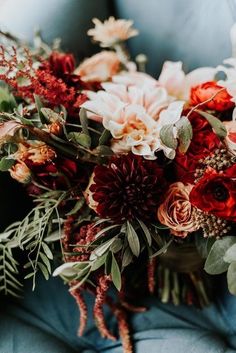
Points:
(167, 136)
(31, 236)
(215, 123)
(215, 262)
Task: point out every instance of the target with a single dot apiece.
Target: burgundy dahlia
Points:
(129, 187)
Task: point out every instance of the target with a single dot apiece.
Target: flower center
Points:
(220, 193)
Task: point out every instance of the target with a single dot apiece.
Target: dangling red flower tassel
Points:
(124, 331)
(82, 308)
(100, 300)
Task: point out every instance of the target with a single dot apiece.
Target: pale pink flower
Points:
(100, 67)
(176, 212)
(131, 114)
(111, 31)
(179, 84)
(21, 173)
(134, 78)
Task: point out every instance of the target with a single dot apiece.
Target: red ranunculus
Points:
(61, 64)
(216, 194)
(203, 143)
(201, 93)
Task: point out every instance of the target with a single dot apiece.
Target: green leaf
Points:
(104, 151)
(50, 115)
(98, 262)
(45, 261)
(215, 123)
(80, 138)
(133, 240)
(167, 136)
(204, 245)
(127, 257)
(26, 121)
(215, 263)
(230, 255)
(184, 133)
(115, 273)
(231, 278)
(116, 246)
(146, 232)
(6, 163)
(106, 136)
(39, 106)
(77, 207)
(47, 250)
(84, 121)
(44, 270)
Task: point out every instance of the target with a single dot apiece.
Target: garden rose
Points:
(215, 193)
(176, 212)
(203, 92)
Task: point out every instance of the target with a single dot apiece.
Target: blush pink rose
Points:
(176, 212)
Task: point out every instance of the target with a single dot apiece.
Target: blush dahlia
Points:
(129, 187)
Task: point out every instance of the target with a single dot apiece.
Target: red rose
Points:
(216, 194)
(61, 64)
(201, 93)
(203, 143)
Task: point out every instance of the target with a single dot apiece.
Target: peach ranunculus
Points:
(176, 212)
(100, 67)
(230, 139)
(36, 151)
(111, 31)
(21, 173)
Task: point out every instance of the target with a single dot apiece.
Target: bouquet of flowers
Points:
(133, 178)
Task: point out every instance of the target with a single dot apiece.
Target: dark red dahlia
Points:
(129, 187)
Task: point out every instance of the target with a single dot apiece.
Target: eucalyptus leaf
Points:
(230, 255)
(215, 263)
(215, 123)
(167, 136)
(184, 133)
(133, 239)
(231, 278)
